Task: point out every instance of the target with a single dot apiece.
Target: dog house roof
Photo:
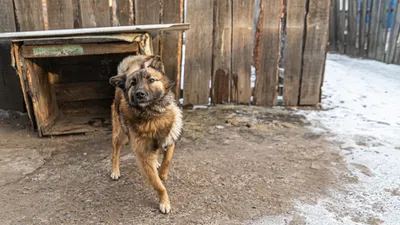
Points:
(94, 32)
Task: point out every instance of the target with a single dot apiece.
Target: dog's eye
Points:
(133, 82)
(151, 80)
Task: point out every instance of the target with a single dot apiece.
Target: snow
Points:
(361, 98)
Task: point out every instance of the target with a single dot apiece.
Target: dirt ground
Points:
(234, 165)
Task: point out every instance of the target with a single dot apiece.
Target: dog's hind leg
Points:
(163, 172)
(118, 140)
(148, 164)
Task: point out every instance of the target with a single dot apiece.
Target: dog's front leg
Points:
(147, 162)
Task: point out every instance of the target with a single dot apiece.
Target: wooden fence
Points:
(366, 28)
(284, 40)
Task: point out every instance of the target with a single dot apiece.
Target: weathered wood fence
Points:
(366, 28)
(262, 52)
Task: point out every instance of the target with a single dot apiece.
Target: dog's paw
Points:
(115, 175)
(165, 208)
(163, 176)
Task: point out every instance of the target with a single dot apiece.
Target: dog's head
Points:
(144, 82)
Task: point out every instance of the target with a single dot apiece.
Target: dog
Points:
(145, 114)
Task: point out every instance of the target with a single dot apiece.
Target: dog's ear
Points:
(118, 81)
(156, 63)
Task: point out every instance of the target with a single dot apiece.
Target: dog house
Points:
(64, 74)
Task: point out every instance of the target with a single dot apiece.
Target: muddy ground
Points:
(234, 165)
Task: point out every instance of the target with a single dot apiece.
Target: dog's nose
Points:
(140, 94)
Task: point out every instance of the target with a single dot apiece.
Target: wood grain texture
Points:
(198, 52)
(60, 14)
(242, 49)
(44, 104)
(124, 12)
(363, 28)
(148, 12)
(296, 11)
(267, 53)
(394, 34)
(29, 15)
(382, 31)
(352, 28)
(222, 52)
(315, 51)
(10, 90)
(171, 48)
(341, 26)
(374, 27)
(69, 92)
(95, 13)
(333, 26)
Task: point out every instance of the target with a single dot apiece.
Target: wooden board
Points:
(222, 52)
(341, 26)
(351, 37)
(314, 52)
(29, 15)
(148, 12)
(60, 14)
(124, 12)
(84, 91)
(95, 13)
(44, 51)
(363, 28)
(171, 48)
(382, 31)
(374, 26)
(294, 51)
(332, 25)
(10, 90)
(242, 49)
(44, 104)
(394, 33)
(267, 53)
(198, 52)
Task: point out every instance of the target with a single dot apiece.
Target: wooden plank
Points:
(222, 51)
(382, 31)
(95, 13)
(374, 26)
(267, 53)
(296, 11)
(341, 26)
(363, 27)
(29, 15)
(314, 52)
(44, 103)
(124, 11)
(83, 91)
(351, 37)
(198, 52)
(148, 12)
(60, 14)
(44, 51)
(332, 25)
(242, 51)
(171, 48)
(10, 90)
(394, 34)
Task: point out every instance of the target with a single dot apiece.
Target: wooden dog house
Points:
(64, 73)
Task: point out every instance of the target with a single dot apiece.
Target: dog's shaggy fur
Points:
(145, 114)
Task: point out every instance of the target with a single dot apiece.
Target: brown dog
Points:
(145, 114)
